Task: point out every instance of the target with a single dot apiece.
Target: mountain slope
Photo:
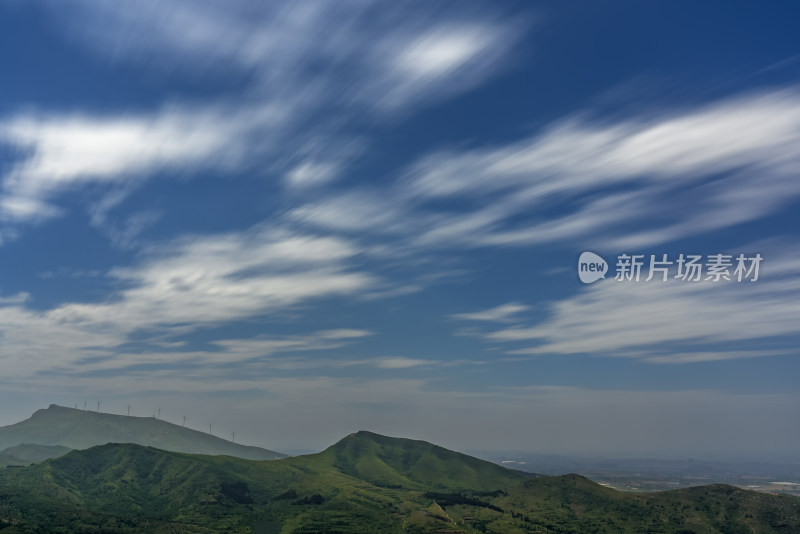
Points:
(130, 488)
(27, 454)
(406, 463)
(79, 429)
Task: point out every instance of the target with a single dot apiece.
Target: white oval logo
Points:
(591, 267)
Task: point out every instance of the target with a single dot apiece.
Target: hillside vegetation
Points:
(366, 483)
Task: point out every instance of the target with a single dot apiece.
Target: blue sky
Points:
(300, 219)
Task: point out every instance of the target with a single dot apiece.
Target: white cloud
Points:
(309, 174)
(674, 321)
(227, 277)
(759, 129)
(400, 363)
(440, 58)
(58, 152)
(126, 233)
(180, 33)
(640, 317)
(183, 286)
(315, 68)
(694, 171)
(19, 298)
(242, 355)
(442, 52)
(74, 148)
(392, 362)
(713, 356)
(35, 342)
(29, 209)
(627, 184)
(340, 49)
(344, 333)
(358, 211)
(504, 312)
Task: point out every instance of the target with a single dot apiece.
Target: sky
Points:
(295, 220)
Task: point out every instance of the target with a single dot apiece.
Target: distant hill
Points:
(365, 483)
(407, 463)
(79, 429)
(27, 454)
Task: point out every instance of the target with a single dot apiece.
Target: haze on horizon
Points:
(298, 220)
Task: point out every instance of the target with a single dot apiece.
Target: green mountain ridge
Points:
(407, 463)
(79, 429)
(365, 483)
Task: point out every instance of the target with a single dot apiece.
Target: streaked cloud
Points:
(672, 322)
(577, 153)
(398, 362)
(712, 356)
(186, 285)
(411, 55)
(310, 174)
(632, 170)
(504, 312)
(669, 174)
(361, 211)
(228, 276)
(437, 54)
(57, 152)
(308, 87)
(446, 58)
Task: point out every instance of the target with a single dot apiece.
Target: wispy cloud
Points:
(504, 312)
(312, 77)
(390, 362)
(310, 173)
(668, 174)
(672, 322)
(577, 153)
(57, 152)
(712, 356)
(228, 276)
(361, 211)
(725, 163)
(385, 58)
(255, 355)
(183, 286)
(447, 58)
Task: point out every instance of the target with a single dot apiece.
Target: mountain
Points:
(79, 429)
(407, 463)
(27, 454)
(365, 483)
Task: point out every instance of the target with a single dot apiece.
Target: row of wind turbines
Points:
(157, 416)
